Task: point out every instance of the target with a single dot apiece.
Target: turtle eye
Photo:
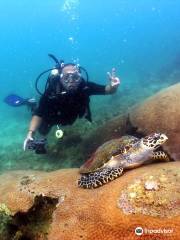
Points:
(156, 138)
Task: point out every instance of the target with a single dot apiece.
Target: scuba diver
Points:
(66, 97)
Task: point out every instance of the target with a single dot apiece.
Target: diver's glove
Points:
(28, 138)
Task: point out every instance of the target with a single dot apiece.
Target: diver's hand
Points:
(28, 138)
(114, 81)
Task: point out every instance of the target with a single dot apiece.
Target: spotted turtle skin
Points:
(113, 157)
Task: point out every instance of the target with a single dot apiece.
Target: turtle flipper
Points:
(161, 156)
(99, 178)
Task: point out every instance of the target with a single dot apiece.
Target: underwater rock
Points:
(161, 113)
(50, 206)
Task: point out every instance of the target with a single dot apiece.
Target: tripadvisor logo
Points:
(139, 231)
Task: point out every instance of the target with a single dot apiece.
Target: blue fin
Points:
(15, 100)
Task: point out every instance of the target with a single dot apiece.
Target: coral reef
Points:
(50, 206)
(161, 113)
(5, 219)
(114, 128)
(158, 113)
(155, 194)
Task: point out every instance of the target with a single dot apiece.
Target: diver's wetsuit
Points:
(64, 109)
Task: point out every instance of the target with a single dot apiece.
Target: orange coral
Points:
(155, 194)
(161, 112)
(99, 213)
(158, 113)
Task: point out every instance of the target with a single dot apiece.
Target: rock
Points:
(50, 205)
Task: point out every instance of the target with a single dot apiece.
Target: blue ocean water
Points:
(141, 39)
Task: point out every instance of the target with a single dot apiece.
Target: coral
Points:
(35, 223)
(5, 219)
(4, 209)
(156, 194)
(161, 113)
(111, 130)
(158, 113)
(50, 206)
(31, 211)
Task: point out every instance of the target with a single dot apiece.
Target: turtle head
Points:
(153, 141)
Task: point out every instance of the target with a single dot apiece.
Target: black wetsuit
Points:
(65, 108)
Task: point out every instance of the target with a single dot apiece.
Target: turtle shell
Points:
(104, 153)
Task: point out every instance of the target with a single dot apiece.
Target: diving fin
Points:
(15, 100)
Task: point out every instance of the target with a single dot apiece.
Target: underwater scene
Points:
(90, 119)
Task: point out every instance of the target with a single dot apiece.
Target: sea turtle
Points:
(116, 155)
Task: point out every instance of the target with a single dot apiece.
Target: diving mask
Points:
(71, 81)
(71, 77)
